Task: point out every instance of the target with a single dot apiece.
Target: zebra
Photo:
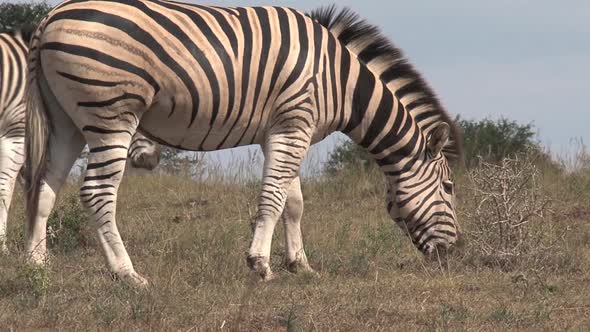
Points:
(144, 153)
(207, 78)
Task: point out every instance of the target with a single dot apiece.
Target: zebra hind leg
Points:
(106, 164)
(12, 157)
(296, 260)
(283, 156)
(65, 145)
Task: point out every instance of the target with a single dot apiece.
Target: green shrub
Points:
(348, 158)
(15, 15)
(36, 278)
(65, 224)
(495, 140)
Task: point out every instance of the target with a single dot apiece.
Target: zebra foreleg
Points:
(283, 156)
(296, 260)
(106, 164)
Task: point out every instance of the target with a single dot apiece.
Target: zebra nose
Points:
(460, 243)
(437, 252)
(427, 250)
(146, 161)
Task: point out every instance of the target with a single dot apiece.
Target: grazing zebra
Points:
(13, 62)
(208, 78)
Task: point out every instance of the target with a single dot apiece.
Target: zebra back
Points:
(13, 53)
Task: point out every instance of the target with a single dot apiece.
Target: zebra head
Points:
(144, 153)
(422, 201)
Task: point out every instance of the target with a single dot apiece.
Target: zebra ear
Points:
(438, 138)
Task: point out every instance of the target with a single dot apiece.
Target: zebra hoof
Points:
(260, 266)
(37, 258)
(298, 267)
(135, 280)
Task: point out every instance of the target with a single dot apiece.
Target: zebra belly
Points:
(172, 129)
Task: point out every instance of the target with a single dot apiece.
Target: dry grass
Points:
(190, 239)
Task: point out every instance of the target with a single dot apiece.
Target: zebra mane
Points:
(26, 32)
(389, 62)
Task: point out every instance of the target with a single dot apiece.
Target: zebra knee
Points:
(293, 210)
(146, 160)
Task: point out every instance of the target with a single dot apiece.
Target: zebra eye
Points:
(448, 187)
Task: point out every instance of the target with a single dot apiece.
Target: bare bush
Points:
(508, 216)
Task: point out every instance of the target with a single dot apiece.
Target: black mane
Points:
(26, 32)
(369, 44)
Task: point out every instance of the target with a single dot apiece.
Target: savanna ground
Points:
(190, 239)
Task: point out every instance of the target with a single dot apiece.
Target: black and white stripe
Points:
(13, 65)
(208, 78)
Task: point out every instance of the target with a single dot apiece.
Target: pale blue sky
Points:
(523, 59)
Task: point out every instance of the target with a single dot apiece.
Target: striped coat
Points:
(208, 78)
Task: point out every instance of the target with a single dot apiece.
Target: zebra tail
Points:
(37, 131)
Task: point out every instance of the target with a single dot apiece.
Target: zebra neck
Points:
(381, 124)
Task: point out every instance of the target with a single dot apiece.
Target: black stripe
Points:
(101, 177)
(105, 163)
(104, 59)
(112, 101)
(102, 186)
(363, 92)
(99, 130)
(107, 148)
(382, 115)
(87, 81)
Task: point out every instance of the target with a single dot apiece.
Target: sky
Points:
(525, 60)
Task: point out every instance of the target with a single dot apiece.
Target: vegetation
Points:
(348, 157)
(15, 15)
(525, 264)
(189, 237)
(510, 219)
(495, 140)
